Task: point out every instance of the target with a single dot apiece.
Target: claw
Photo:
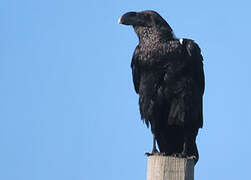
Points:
(176, 155)
(156, 153)
(148, 154)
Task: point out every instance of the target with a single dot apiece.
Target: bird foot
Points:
(192, 157)
(183, 155)
(179, 155)
(152, 153)
(149, 154)
(155, 153)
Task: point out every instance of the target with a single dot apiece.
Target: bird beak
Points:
(129, 18)
(119, 21)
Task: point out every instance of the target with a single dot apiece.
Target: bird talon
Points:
(148, 154)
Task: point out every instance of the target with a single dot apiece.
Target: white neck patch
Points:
(181, 41)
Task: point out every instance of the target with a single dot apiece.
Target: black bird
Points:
(168, 75)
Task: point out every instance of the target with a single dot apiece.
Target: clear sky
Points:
(68, 110)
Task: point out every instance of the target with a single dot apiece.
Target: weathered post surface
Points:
(169, 168)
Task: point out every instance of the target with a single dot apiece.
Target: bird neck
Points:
(153, 36)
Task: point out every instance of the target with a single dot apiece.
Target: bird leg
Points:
(154, 151)
(189, 148)
(184, 152)
(154, 145)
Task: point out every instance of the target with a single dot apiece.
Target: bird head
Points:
(147, 22)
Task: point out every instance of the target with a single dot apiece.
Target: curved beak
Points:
(120, 21)
(130, 18)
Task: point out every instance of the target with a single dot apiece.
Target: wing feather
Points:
(186, 105)
(135, 70)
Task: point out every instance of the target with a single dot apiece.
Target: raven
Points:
(168, 75)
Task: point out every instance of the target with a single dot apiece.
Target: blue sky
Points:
(68, 109)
